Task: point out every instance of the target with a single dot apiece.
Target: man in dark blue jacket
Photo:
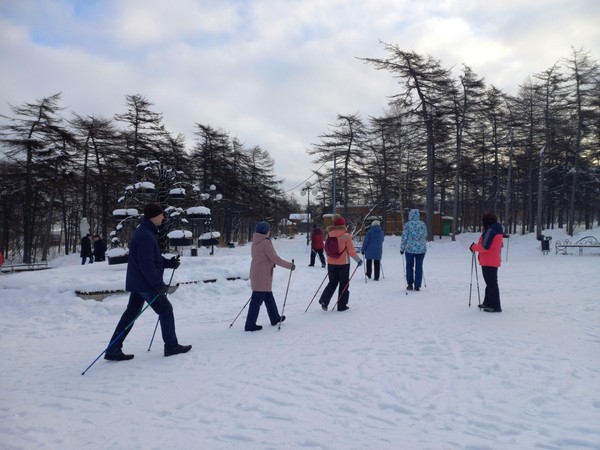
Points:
(144, 281)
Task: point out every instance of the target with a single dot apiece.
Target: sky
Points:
(271, 73)
(398, 370)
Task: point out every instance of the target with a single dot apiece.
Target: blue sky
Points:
(273, 73)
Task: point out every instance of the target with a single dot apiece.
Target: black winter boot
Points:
(177, 350)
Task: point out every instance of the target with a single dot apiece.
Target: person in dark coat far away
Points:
(372, 248)
(86, 249)
(144, 280)
(99, 248)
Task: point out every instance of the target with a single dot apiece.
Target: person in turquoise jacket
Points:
(414, 245)
(372, 248)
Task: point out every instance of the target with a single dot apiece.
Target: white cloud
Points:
(274, 74)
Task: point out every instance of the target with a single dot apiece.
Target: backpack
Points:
(332, 248)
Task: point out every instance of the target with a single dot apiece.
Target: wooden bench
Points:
(584, 242)
(24, 267)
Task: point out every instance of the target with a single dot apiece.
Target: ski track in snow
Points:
(411, 371)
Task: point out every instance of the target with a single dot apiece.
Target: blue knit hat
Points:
(262, 227)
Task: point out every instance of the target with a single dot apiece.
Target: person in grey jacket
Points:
(414, 244)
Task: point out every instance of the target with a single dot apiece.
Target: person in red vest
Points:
(316, 246)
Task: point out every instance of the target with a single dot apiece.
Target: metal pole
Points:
(285, 298)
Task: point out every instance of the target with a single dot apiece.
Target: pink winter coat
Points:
(344, 242)
(264, 260)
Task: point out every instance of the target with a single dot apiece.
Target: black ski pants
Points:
(492, 292)
(161, 306)
(339, 276)
(313, 254)
(370, 264)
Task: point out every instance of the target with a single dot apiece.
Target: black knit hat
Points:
(152, 210)
(489, 219)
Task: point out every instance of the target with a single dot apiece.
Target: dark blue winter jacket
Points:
(489, 233)
(373, 244)
(145, 263)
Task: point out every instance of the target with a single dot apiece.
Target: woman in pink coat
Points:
(264, 260)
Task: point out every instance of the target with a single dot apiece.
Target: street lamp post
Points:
(306, 190)
(214, 197)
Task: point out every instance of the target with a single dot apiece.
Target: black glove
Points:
(172, 263)
(163, 290)
(471, 247)
(360, 262)
(401, 252)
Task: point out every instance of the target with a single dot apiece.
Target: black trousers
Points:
(492, 292)
(339, 275)
(377, 267)
(313, 254)
(161, 306)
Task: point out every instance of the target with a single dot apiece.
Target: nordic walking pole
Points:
(477, 278)
(471, 283)
(155, 327)
(345, 287)
(403, 269)
(129, 325)
(285, 298)
(243, 308)
(318, 289)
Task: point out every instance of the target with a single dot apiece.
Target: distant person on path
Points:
(489, 248)
(414, 244)
(144, 280)
(1, 256)
(316, 246)
(338, 265)
(99, 248)
(264, 260)
(86, 249)
(372, 248)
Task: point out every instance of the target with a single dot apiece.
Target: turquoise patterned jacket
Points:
(414, 234)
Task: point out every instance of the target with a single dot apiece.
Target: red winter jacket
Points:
(492, 239)
(317, 239)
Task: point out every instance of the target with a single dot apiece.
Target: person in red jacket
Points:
(316, 246)
(489, 248)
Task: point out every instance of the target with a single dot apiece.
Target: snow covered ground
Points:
(397, 371)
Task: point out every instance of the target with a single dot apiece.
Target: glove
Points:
(293, 267)
(172, 263)
(401, 252)
(360, 262)
(471, 247)
(163, 290)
